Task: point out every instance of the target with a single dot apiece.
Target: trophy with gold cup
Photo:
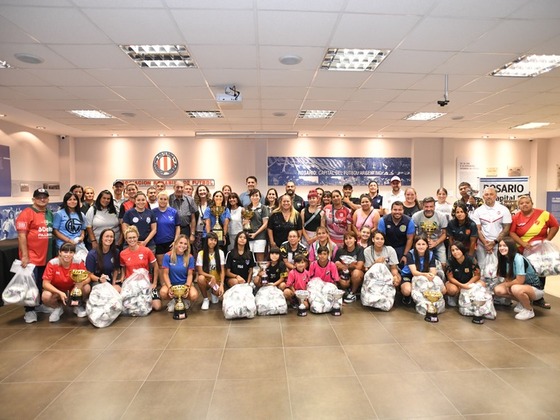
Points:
(247, 215)
(76, 295)
(217, 211)
(180, 310)
(432, 296)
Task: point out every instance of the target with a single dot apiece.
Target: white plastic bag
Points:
(544, 256)
(81, 252)
(104, 305)
(489, 266)
(136, 293)
(420, 284)
(477, 301)
(239, 302)
(270, 301)
(377, 289)
(22, 289)
(320, 295)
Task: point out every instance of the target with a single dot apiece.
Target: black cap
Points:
(40, 191)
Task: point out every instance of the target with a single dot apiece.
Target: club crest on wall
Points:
(165, 164)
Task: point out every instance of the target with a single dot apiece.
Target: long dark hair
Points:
(246, 249)
(113, 250)
(65, 207)
(233, 195)
(417, 258)
(505, 263)
(463, 207)
(206, 254)
(461, 247)
(111, 207)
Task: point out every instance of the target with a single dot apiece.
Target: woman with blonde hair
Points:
(282, 220)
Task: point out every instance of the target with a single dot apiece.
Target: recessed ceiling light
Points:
(341, 135)
(90, 113)
(316, 114)
(160, 56)
(290, 59)
(279, 114)
(114, 135)
(379, 136)
(353, 59)
(28, 58)
(531, 125)
(528, 66)
(162, 135)
(40, 127)
(3, 115)
(4, 65)
(485, 136)
(512, 137)
(424, 116)
(205, 114)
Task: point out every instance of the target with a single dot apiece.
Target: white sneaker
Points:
(171, 305)
(55, 314)
(215, 299)
(525, 314)
(80, 312)
(518, 308)
(30, 317)
(187, 303)
(205, 304)
(452, 301)
(43, 309)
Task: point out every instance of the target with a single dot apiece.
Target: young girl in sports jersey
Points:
(211, 269)
(297, 279)
(323, 239)
(324, 268)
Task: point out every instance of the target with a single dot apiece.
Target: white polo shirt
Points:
(491, 219)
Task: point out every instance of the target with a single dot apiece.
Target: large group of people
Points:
(212, 242)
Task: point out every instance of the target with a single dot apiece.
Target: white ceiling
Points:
(239, 42)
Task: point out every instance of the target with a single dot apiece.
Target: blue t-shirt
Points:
(410, 260)
(209, 215)
(520, 268)
(70, 226)
(177, 272)
(109, 263)
(396, 235)
(142, 220)
(166, 221)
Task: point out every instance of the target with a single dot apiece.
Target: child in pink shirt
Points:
(297, 279)
(323, 267)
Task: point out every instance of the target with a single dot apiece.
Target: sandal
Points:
(541, 303)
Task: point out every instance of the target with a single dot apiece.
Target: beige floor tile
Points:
(160, 319)
(548, 323)
(307, 336)
(512, 328)
(199, 337)
(397, 314)
(441, 357)
(87, 338)
(34, 339)
(54, 365)
(292, 319)
(547, 349)
(27, 400)
(253, 363)
(415, 332)
(480, 392)
(405, 395)
(7, 332)
(171, 400)
(92, 400)
(464, 329)
(500, 354)
(250, 399)
(257, 321)
(269, 336)
(353, 316)
(346, 398)
(121, 365)
(533, 415)
(10, 361)
(317, 362)
(143, 338)
(540, 386)
(363, 333)
(191, 364)
(380, 358)
(198, 318)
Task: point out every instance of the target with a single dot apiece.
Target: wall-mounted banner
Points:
(146, 183)
(553, 203)
(337, 171)
(508, 188)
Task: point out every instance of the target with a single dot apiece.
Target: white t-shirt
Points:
(491, 219)
(389, 199)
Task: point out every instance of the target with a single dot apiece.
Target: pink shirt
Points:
(328, 273)
(298, 280)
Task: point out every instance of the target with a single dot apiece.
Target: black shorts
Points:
(163, 248)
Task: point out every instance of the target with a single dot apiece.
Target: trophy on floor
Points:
(179, 310)
(432, 295)
(263, 265)
(247, 215)
(217, 211)
(477, 304)
(302, 296)
(76, 295)
(336, 301)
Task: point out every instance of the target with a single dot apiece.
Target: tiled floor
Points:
(365, 364)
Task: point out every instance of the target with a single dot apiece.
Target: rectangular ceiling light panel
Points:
(353, 59)
(160, 56)
(528, 66)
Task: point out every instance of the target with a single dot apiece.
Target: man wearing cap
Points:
(347, 200)
(186, 208)
(118, 197)
(396, 194)
(297, 201)
(36, 243)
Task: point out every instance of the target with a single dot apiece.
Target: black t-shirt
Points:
(357, 253)
(274, 272)
(312, 224)
(239, 265)
(465, 271)
(462, 233)
(286, 251)
(280, 228)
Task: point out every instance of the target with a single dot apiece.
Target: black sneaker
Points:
(407, 300)
(350, 298)
(478, 320)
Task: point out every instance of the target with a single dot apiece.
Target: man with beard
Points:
(433, 224)
(399, 230)
(298, 202)
(397, 194)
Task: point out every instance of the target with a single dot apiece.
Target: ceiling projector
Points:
(231, 94)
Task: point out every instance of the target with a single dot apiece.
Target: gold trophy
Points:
(217, 228)
(180, 311)
(247, 215)
(432, 295)
(76, 295)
